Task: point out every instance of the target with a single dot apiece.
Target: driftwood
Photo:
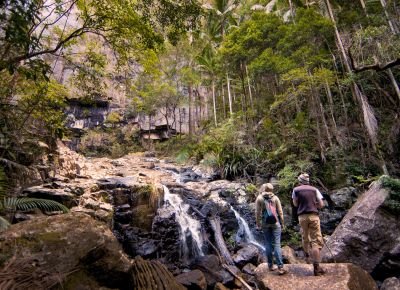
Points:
(219, 240)
(152, 275)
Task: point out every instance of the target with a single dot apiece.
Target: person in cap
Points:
(308, 200)
(269, 218)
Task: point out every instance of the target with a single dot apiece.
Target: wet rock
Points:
(117, 182)
(368, 236)
(289, 256)
(193, 280)
(330, 219)
(59, 195)
(344, 197)
(212, 270)
(124, 217)
(220, 286)
(249, 269)
(20, 217)
(248, 254)
(300, 277)
(391, 283)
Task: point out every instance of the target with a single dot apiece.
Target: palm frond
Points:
(26, 203)
(4, 224)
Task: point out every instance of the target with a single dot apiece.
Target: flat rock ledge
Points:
(300, 277)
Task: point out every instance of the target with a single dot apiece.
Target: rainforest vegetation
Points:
(271, 88)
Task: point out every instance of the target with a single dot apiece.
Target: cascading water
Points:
(189, 226)
(244, 228)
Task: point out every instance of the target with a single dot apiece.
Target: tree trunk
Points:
(223, 100)
(214, 102)
(369, 118)
(248, 84)
(394, 82)
(190, 110)
(229, 94)
(391, 25)
(219, 240)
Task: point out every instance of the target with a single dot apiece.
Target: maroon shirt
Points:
(307, 198)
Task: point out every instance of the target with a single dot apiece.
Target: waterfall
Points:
(244, 228)
(189, 226)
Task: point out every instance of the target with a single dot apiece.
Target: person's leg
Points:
(268, 245)
(303, 220)
(316, 244)
(276, 244)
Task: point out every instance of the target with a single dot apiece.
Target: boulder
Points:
(368, 236)
(289, 256)
(391, 283)
(248, 254)
(193, 280)
(300, 277)
(60, 195)
(213, 271)
(73, 251)
(343, 198)
(89, 252)
(249, 269)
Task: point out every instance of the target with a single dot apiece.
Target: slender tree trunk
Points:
(394, 82)
(229, 94)
(248, 84)
(331, 108)
(370, 121)
(190, 110)
(214, 102)
(364, 7)
(393, 28)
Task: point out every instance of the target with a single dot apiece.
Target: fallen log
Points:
(219, 240)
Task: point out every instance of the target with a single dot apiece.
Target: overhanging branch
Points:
(375, 66)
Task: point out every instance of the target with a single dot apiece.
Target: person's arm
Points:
(258, 212)
(294, 198)
(320, 202)
(280, 211)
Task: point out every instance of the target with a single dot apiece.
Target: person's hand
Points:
(283, 228)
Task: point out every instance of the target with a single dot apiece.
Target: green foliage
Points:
(392, 202)
(288, 175)
(113, 118)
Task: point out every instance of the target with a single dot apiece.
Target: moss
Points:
(392, 202)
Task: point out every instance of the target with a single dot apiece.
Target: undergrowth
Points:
(392, 202)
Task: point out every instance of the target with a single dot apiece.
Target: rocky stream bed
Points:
(139, 222)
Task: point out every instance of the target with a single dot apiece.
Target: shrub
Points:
(392, 202)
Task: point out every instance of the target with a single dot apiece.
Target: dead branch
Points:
(376, 66)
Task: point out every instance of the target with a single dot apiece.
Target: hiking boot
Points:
(318, 270)
(273, 268)
(281, 271)
(308, 258)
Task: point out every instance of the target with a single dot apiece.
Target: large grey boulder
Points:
(301, 277)
(73, 251)
(343, 198)
(368, 236)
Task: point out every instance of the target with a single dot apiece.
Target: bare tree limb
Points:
(376, 66)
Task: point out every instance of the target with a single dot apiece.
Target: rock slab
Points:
(368, 236)
(300, 277)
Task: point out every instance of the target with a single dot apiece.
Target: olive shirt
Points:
(260, 207)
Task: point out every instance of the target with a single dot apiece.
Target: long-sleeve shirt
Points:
(260, 207)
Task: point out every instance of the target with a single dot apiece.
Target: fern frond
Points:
(4, 224)
(26, 203)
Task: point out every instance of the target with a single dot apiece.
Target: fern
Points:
(4, 224)
(26, 203)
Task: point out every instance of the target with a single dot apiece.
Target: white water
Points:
(244, 227)
(187, 223)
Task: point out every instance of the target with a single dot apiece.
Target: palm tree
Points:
(208, 64)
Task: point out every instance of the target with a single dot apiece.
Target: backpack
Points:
(269, 214)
